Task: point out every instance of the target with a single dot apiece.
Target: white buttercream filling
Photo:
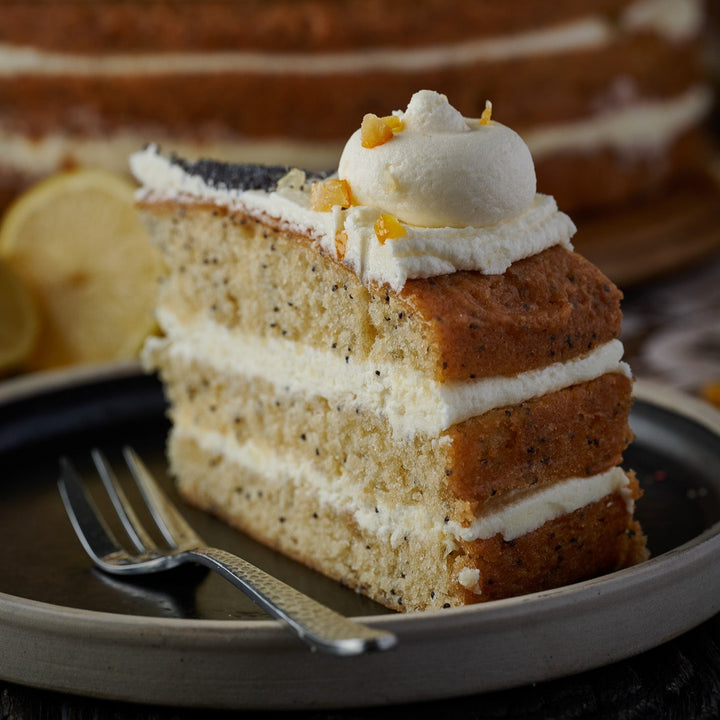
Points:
(428, 252)
(676, 20)
(540, 506)
(673, 19)
(582, 34)
(393, 524)
(44, 155)
(643, 126)
(412, 402)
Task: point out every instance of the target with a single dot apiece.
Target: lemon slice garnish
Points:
(77, 243)
(19, 320)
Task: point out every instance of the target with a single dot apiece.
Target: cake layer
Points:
(419, 566)
(625, 178)
(651, 125)
(137, 25)
(572, 428)
(577, 431)
(551, 307)
(593, 540)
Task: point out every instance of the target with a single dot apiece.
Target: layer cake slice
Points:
(400, 374)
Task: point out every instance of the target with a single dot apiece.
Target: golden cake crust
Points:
(641, 178)
(570, 548)
(550, 307)
(579, 431)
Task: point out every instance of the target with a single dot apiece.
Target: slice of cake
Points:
(400, 374)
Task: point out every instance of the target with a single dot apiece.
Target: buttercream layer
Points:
(411, 401)
(633, 131)
(421, 252)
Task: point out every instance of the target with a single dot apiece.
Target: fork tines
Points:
(94, 532)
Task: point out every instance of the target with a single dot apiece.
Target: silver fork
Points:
(317, 625)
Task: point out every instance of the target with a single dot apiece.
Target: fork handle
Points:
(317, 625)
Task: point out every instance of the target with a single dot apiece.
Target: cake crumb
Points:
(469, 578)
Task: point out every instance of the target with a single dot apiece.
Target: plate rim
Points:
(167, 639)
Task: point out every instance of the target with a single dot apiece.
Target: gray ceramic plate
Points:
(191, 640)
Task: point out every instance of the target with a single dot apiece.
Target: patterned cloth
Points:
(671, 328)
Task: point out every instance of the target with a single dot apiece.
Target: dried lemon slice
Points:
(77, 242)
(18, 320)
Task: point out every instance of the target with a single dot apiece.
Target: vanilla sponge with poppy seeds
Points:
(429, 410)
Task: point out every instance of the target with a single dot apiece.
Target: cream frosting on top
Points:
(441, 169)
(461, 192)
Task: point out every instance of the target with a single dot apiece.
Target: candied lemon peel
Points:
(376, 130)
(341, 241)
(330, 193)
(77, 243)
(486, 117)
(388, 227)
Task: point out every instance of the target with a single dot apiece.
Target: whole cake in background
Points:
(400, 374)
(610, 96)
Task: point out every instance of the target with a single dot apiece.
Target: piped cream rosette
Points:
(440, 169)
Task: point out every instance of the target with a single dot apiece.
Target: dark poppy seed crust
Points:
(234, 176)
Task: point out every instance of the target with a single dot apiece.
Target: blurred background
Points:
(617, 100)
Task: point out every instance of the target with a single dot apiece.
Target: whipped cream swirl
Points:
(441, 169)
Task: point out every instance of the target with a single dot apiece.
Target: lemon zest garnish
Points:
(341, 241)
(394, 123)
(388, 227)
(376, 130)
(486, 117)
